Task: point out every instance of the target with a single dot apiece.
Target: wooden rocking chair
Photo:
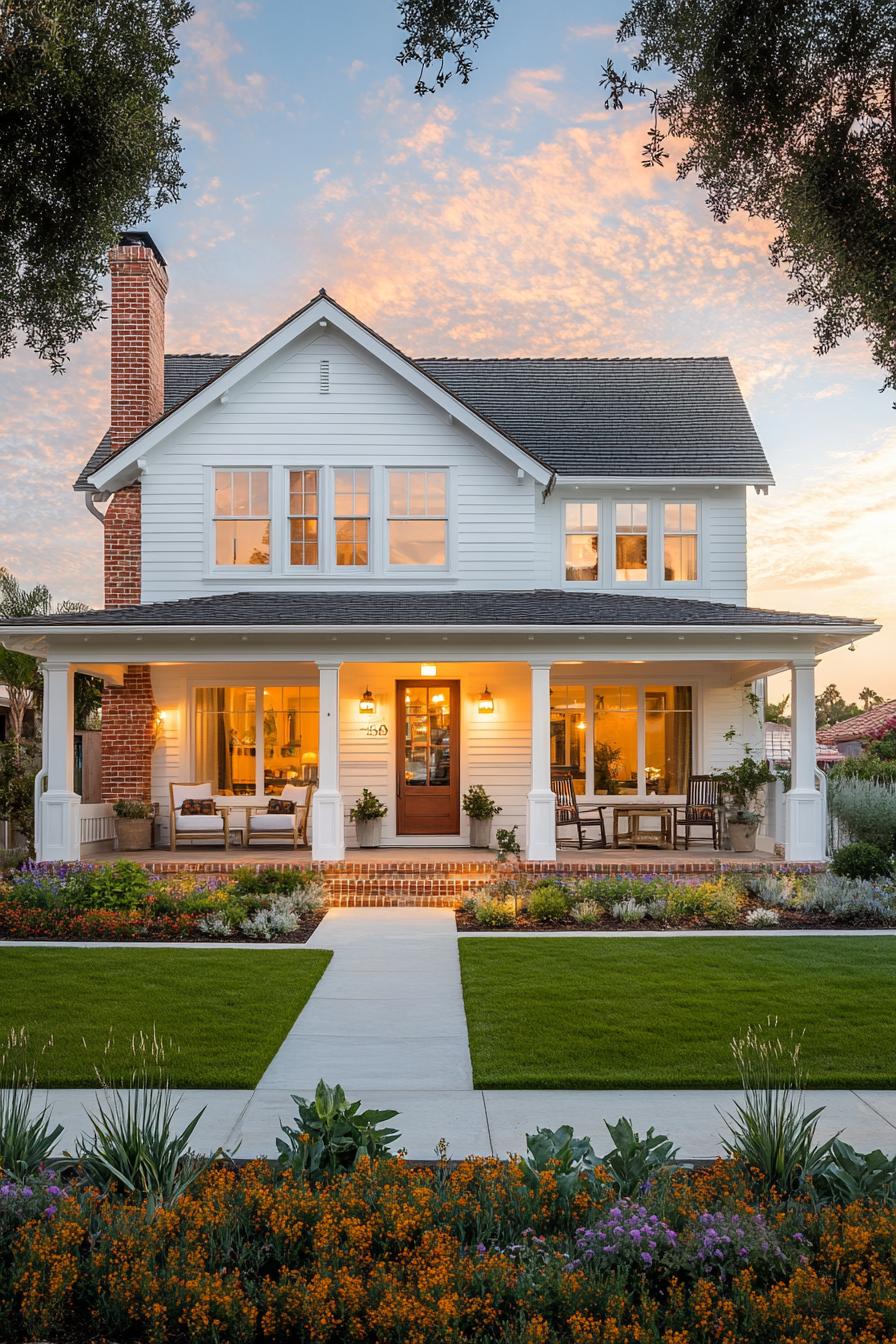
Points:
(703, 808)
(568, 812)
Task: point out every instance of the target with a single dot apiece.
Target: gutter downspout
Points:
(94, 497)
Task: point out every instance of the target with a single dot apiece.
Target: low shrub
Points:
(717, 903)
(332, 1134)
(628, 911)
(762, 918)
(865, 809)
(494, 914)
(274, 922)
(588, 913)
(11, 859)
(271, 881)
(774, 890)
(849, 900)
(548, 901)
(861, 860)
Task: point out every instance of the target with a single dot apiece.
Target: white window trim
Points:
(640, 684)
(288, 566)
(586, 585)
(418, 571)
(681, 585)
(344, 571)
(212, 568)
(649, 580)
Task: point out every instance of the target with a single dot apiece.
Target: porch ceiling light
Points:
(428, 670)
(367, 704)
(486, 702)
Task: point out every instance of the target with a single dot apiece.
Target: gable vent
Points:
(324, 377)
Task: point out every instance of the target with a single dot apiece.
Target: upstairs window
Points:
(631, 542)
(352, 517)
(418, 519)
(680, 543)
(582, 542)
(304, 521)
(242, 518)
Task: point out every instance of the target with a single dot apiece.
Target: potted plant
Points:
(133, 823)
(740, 786)
(481, 810)
(367, 814)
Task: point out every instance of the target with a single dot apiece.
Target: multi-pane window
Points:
(568, 732)
(616, 739)
(351, 514)
(680, 543)
(304, 519)
(641, 738)
(667, 738)
(582, 542)
(418, 518)
(631, 542)
(231, 721)
(242, 518)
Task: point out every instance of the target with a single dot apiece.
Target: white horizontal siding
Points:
(726, 707)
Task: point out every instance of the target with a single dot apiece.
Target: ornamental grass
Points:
(387, 1252)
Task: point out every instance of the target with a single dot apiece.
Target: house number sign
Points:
(375, 730)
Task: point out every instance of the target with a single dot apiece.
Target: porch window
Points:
(667, 738)
(569, 732)
(304, 518)
(680, 543)
(639, 740)
(418, 518)
(582, 542)
(631, 542)
(352, 517)
(242, 518)
(615, 739)
(231, 722)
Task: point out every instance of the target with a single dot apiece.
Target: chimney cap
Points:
(138, 239)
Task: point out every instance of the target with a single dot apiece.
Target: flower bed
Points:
(389, 1253)
(743, 900)
(122, 902)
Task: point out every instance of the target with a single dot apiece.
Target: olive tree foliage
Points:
(19, 672)
(440, 36)
(787, 111)
(86, 150)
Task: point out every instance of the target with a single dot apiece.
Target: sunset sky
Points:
(509, 217)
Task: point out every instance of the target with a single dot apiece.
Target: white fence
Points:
(97, 826)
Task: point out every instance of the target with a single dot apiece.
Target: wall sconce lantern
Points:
(486, 702)
(367, 704)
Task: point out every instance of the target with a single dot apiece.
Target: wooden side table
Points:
(636, 834)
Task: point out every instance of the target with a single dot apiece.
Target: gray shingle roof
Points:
(184, 375)
(521, 608)
(579, 417)
(615, 417)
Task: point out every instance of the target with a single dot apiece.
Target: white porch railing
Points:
(97, 825)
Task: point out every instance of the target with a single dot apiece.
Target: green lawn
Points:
(226, 1010)
(607, 1012)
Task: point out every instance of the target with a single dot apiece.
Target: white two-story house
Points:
(326, 560)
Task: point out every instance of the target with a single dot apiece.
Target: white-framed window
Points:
(303, 515)
(417, 523)
(351, 516)
(680, 542)
(631, 527)
(581, 541)
(251, 739)
(242, 517)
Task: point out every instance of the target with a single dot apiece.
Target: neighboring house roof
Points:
(575, 417)
(184, 375)
(778, 746)
(539, 607)
(860, 725)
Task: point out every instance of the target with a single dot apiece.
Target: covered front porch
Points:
(418, 717)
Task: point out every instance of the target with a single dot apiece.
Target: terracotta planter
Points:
(480, 832)
(743, 836)
(133, 833)
(369, 832)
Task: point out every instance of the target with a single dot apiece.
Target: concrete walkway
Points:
(386, 1021)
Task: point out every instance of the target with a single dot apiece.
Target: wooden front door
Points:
(428, 759)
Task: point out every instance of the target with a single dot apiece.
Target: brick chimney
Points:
(139, 286)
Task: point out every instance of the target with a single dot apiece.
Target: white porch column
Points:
(327, 813)
(541, 832)
(804, 804)
(60, 806)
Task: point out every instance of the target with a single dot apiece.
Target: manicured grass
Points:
(226, 1010)
(638, 1012)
